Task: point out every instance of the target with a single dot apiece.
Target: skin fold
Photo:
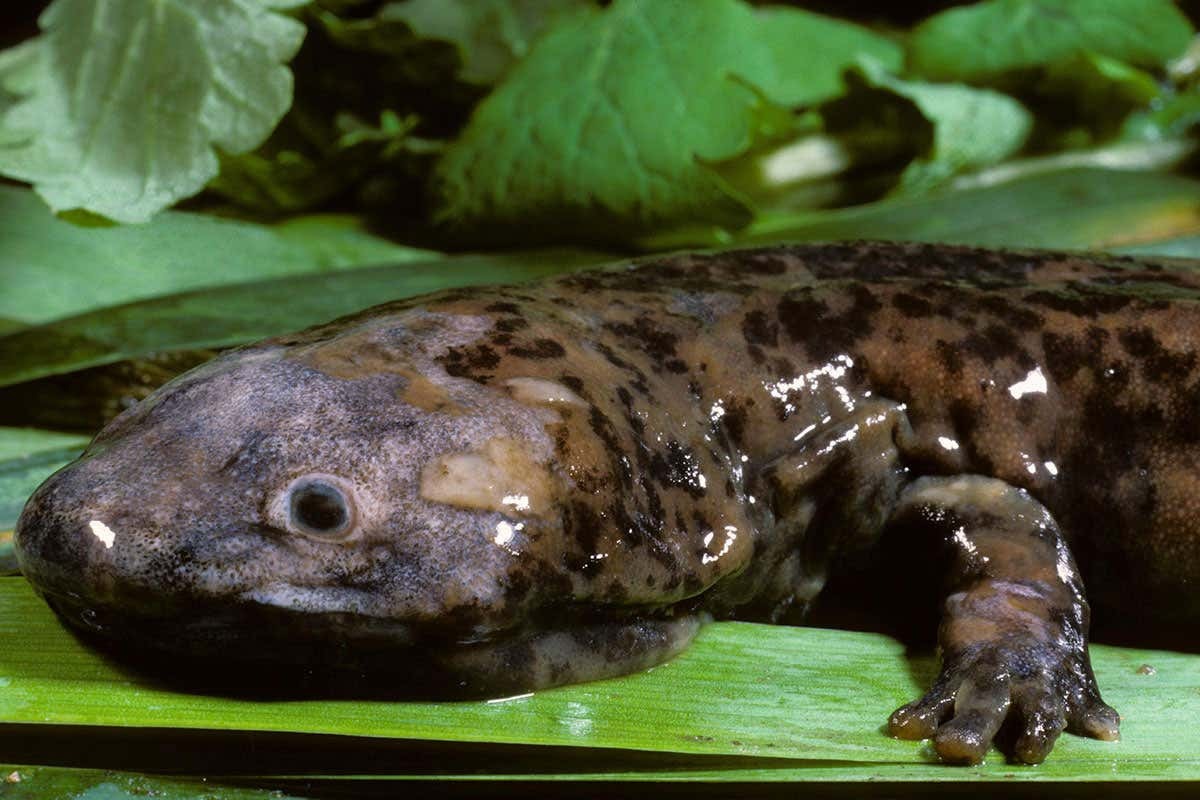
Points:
(518, 487)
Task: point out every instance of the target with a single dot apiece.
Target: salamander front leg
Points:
(1013, 637)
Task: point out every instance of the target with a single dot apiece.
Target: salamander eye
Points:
(319, 508)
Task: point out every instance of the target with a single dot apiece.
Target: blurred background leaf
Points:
(27, 457)
(1076, 208)
(122, 106)
(50, 268)
(223, 316)
(654, 88)
(984, 42)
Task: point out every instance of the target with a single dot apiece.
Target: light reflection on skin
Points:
(782, 390)
(518, 501)
(104, 533)
(505, 533)
(1033, 383)
(809, 429)
(731, 533)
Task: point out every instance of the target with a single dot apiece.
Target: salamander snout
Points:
(62, 544)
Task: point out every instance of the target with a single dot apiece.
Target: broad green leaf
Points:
(50, 268)
(882, 124)
(130, 98)
(27, 457)
(491, 35)
(794, 703)
(983, 41)
(968, 128)
(1083, 208)
(223, 316)
(21, 443)
(1182, 247)
(18, 74)
(601, 131)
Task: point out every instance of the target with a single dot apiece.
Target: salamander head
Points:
(338, 487)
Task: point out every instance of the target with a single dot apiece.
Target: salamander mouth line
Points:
(207, 621)
(283, 655)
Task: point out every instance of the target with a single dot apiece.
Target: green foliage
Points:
(491, 35)
(223, 316)
(985, 41)
(123, 102)
(27, 457)
(966, 128)
(50, 268)
(657, 88)
(1081, 208)
(745, 702)
(533, 121)
(1176, 116)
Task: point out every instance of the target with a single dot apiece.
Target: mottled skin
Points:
(558, 482)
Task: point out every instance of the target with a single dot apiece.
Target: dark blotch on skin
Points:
(1157, 362)
(1067, 354)
(734, 422)
(538, 350)
(759, 330)
(912, 306)
(644, 335)
(1010, 313)
(511, 324)
(950, 356)
(1079, 303)
(808, 320)
(602, 426)
(677, 467)
(766, 264)
(583, 527)
(996, 342)
(574, 383)
(470, 362)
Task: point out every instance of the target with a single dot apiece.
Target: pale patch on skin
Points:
(966, 490)
(538, 391)
(502, 476)
(378, 347)
(422, 393)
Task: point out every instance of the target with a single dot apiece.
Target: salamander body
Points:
(517, 487)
